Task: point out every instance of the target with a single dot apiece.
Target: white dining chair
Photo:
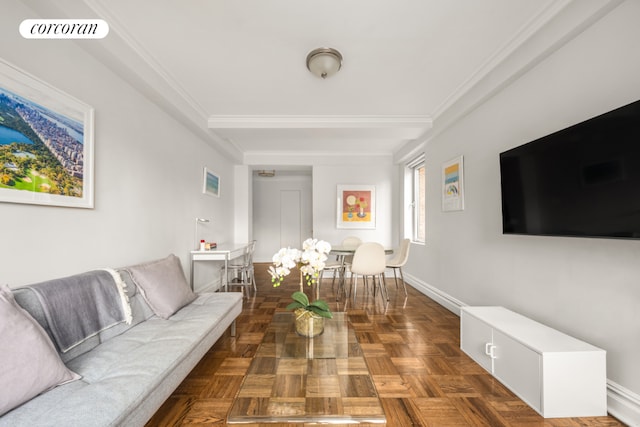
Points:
(351, 241)
(339, 265)
(398, 261)
(369, 260)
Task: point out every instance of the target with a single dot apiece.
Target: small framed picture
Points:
(211, 183)
(356, 206)
(452, 185)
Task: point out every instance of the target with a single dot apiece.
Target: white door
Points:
(290, 218)
(281, 213)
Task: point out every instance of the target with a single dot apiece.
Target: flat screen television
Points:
(582, 181)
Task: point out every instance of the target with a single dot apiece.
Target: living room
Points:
(148, 188)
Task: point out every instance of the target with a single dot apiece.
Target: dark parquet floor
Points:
(411, 347)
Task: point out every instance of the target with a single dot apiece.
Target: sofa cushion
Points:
(163, 285)
(30, 363)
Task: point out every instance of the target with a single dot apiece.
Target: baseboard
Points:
(622, 403)
(447, 301)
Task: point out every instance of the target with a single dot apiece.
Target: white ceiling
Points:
(234, 70)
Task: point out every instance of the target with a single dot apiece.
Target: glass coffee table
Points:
(293, 379)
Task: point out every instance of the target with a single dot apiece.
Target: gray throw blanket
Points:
(80, 306)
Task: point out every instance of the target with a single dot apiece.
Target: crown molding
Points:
(320, 121)
(556, 25)
(293, 158)
(126, 58)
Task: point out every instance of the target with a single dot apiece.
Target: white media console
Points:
(554, 373)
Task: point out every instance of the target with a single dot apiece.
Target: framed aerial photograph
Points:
(356, 206)
(452, 185)
(46, 143)
(211, 183)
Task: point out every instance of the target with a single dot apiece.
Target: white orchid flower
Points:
(323, 247)
(310, 260)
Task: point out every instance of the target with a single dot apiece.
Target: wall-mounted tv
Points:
(582, 181)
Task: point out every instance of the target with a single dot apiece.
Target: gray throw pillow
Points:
(163, 285)
(29, 361)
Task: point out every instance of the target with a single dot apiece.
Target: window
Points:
(415, 194)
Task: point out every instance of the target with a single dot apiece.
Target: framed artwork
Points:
(452, 185)
(356, 206)
(211, 183)
(46, 143)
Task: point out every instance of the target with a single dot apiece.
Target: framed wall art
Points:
(46, 143)
(211, 183)
(356, 206)
(452, 185)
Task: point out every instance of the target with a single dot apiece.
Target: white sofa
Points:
(128, 370)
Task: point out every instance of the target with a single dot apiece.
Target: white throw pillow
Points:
(163, 284)
(29, 361)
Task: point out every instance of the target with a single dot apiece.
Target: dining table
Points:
(342, 252)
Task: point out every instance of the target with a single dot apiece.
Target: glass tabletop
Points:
(335, 342)
(297, 379)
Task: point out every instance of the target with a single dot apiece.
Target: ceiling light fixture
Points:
(324, 62)
(267, 173)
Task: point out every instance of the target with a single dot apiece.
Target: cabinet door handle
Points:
(487, 348)
(491, 351)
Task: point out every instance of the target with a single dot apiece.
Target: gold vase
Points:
(308, 324)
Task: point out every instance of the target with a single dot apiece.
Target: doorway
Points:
(282, 212)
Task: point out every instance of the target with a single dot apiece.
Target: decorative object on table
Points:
(309, 315)
(195, 234)
(452, 188)
(356, 206)
(211, 183)
(46, 143)
(310, 262)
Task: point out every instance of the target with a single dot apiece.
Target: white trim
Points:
(555, 26)
(320, 121)
(447, 301)
(416, 160)
(622, 403)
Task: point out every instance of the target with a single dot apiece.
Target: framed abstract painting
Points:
(452, 185)
(211, 183)
(356, 206)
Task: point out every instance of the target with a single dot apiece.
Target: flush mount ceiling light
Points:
(324, 61)
(267, 173)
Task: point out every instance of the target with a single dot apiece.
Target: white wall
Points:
(589, 288)
(321, 188)
(325, 182)
(148, 175)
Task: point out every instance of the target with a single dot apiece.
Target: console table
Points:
(224, 252)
